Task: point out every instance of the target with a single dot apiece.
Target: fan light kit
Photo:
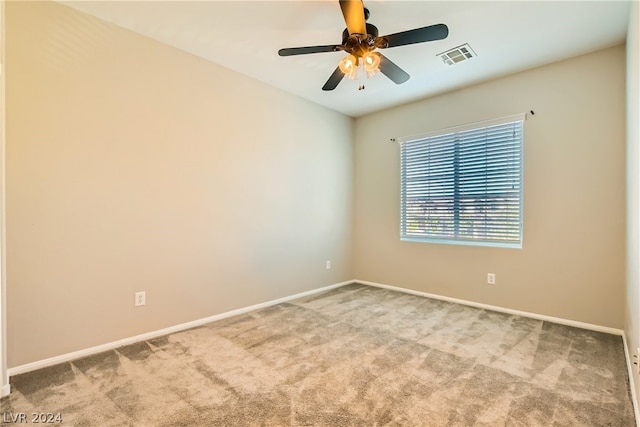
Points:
(357, 68)
(360, 40)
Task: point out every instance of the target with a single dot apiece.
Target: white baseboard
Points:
(154, 334)
(536, 316)
(5, 390)
(588, 326)
(632, 386)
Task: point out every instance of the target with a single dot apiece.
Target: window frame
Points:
(455, 212)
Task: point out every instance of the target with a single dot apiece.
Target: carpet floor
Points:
(353, 356)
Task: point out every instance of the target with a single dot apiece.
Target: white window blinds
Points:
(464, 184)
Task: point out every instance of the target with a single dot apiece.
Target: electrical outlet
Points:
(491, 278)
(141, 298)
(328, 265)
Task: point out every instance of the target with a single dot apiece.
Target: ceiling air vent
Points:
(457, 54)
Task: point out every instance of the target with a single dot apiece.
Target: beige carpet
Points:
(354, 356)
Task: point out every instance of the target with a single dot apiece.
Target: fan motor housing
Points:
(360, 44)
(372, 30)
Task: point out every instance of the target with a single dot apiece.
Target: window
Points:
(464, 185)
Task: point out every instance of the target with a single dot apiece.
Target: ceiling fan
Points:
(360, 40)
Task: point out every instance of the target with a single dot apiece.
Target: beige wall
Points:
(573, 258)
(632, 308)
(134, 166)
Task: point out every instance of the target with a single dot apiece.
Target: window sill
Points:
(462, 242)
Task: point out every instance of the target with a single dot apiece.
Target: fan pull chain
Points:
(361, 74)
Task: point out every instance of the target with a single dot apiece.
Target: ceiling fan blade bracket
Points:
(381, 43)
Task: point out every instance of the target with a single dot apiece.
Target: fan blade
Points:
(418, 35)
(353, 12)
(391, 70)
(333, 81)
(308, 49)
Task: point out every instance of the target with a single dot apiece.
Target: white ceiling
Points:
(508, 36)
